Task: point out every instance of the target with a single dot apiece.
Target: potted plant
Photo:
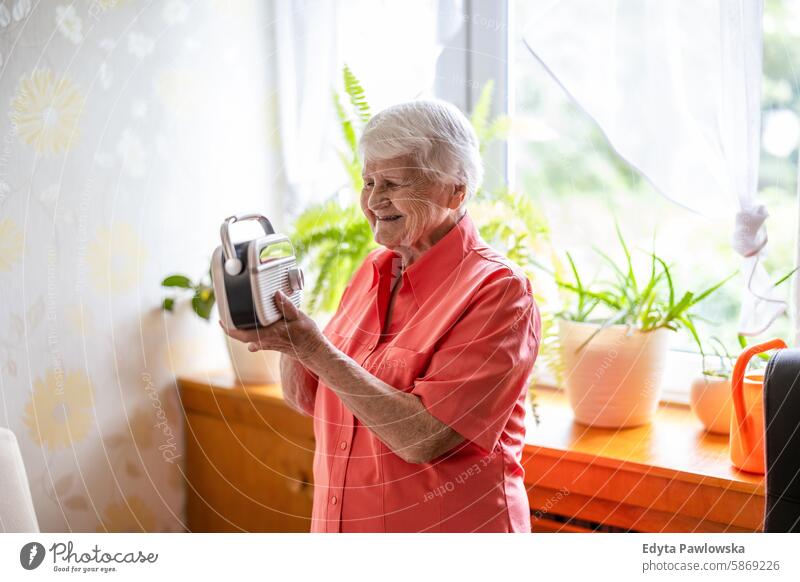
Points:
(262, 367)
(614, 362)
(710, 393)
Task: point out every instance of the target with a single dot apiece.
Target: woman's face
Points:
(404, 207)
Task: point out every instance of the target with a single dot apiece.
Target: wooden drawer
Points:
(248, 462)
(242, 478)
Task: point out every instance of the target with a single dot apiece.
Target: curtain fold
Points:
(676, 89)
(307, 70)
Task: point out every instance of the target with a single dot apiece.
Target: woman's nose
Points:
(376, 198)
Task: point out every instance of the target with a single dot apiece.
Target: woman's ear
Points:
(458, 196)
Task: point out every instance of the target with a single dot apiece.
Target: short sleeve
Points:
(480, 367)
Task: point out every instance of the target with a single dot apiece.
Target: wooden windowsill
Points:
(675, 445)
(669, 475)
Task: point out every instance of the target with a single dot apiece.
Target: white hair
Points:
(435, 133)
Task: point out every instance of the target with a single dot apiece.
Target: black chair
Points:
(782, 445)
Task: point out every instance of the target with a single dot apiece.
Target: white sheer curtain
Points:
(675, 87)
(305, 46)
(392, 48)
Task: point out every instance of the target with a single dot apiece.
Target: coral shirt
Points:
(463, 337)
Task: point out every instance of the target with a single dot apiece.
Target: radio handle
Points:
(233, 266)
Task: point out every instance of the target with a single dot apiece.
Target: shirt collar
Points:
(430, 269)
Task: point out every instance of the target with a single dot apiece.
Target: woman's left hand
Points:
(295, 335)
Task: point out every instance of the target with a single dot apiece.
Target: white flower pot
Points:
(262, 367)
(710, 399)
(615, 380)
(184, 343)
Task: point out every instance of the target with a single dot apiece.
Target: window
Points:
(561, 159)
(558, 156)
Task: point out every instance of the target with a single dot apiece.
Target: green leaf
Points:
(168, 304)
(607, 323)
(348, 131)
(713, 288)
(480, 113)
(355, 91)
(202, 307)
(687, 322)
(786, 276)
(177, 281)
(631, 276)
(669, 280)
(680, 307)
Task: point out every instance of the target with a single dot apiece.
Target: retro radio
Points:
(247, 274)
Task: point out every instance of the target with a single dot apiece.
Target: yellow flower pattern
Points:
(59, 413)
(10, 244)
(46, 111)
(114, 259)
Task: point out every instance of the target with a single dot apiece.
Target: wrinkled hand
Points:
(296, 335)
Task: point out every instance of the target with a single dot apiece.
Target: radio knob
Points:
(296, 281)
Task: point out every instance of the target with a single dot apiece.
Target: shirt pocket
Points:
(398, 367)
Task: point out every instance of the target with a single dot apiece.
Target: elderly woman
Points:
(417, 384)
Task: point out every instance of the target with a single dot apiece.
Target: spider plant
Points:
(645, 303)
(726, 361)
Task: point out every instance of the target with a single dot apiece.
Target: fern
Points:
(355, 91)
(480, 113)
(488, 130)
(331, 241)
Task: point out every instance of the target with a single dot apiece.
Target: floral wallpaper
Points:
(128, 130)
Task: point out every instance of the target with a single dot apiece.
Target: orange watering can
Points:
(747, 420)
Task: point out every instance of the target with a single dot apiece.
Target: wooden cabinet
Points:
(249, 468)
(248, 458)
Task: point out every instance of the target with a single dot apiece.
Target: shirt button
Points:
(343, 445)
(333, 500)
